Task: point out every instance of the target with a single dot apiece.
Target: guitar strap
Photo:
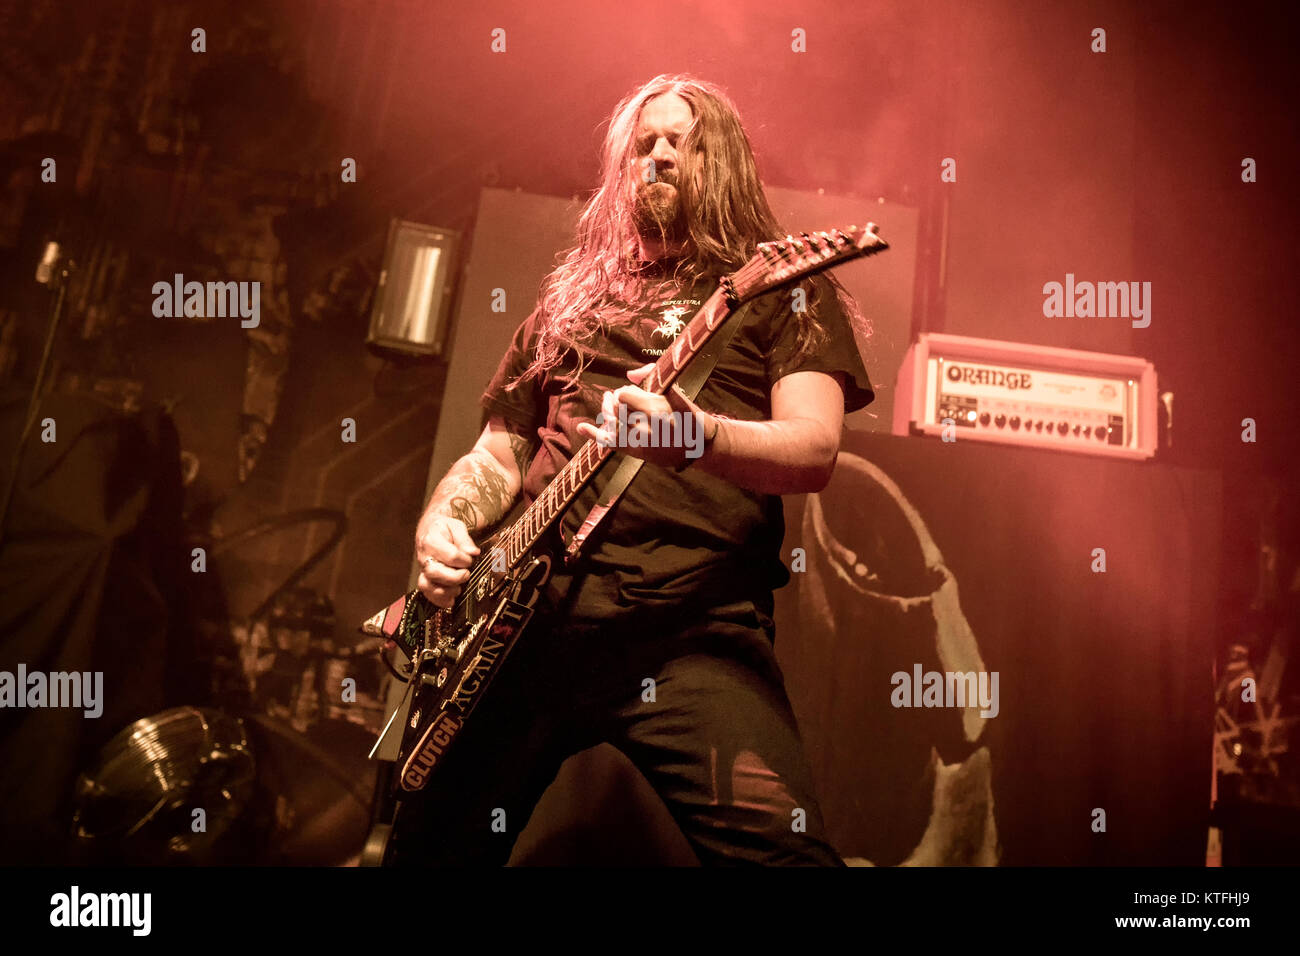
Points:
(689, 382)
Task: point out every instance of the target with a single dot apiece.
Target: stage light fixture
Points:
(413, 301)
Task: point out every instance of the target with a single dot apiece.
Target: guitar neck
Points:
(773, 265)
(519, 539)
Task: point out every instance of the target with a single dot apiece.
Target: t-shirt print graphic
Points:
(673, 316)
(672, 321)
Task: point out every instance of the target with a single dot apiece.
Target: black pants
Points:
(697, 705)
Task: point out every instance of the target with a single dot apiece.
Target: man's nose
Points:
(664, 156)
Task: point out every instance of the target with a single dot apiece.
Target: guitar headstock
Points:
(790, 259)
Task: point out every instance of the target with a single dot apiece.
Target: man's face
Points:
(664, 122)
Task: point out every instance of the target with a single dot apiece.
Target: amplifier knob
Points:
(1062, 427)
(1038, 426)
(1087, 431)
(984, 418)
(1000, 420)
(1077, 429)
(1015, 423)
(1101, 433)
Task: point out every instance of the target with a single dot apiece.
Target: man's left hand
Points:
(665, 430)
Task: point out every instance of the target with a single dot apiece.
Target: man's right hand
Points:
(479, 490)
(445, 552)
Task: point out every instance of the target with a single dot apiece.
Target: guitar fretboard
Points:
(772, 265)
(582, 467)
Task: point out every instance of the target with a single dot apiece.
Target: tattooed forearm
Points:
(522, 447)
(475, 491)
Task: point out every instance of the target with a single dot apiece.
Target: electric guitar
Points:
(452, 655)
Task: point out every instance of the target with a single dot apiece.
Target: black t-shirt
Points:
(673, 540)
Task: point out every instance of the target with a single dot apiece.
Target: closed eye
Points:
(645, 144)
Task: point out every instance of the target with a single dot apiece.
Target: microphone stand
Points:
(53, 270)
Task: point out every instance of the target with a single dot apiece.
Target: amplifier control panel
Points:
(1022, 394)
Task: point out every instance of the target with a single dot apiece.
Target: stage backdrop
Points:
(92, 579)
(967, 557)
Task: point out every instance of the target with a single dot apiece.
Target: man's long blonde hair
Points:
(722, 198)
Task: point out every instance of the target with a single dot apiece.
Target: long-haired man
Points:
(660, 639)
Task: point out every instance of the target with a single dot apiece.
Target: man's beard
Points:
(658, 213)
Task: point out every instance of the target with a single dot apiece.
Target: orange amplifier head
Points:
(983, 390)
